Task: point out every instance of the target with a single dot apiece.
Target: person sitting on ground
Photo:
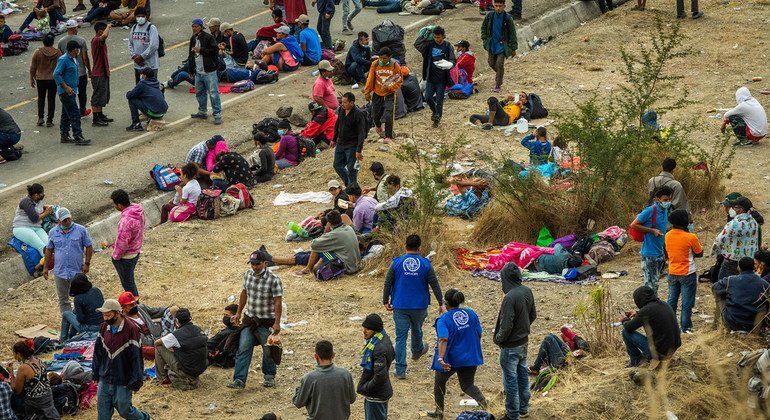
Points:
(363, 209)
(559, 151)
(144, 317)
(748, 119)
(384, 6)
(10, 134)
(236, 169)
(125, 15)
(31, 381)
(659, 321)
(553, 353)
(321, 127)
(251, 71)
(234, 43)
(422, 7)
(216, 146)
(398, 205)
(327, 392)
(531, 106)
(263, 159)
(101, 9)
(358, 61)
(286, 53)
(741, 299)
(339, 198)
(539, 146)
(381, 189)
(217, 345)
(738, 239)
(181, 357)
(309, 41)
(288, 150)
(146, 98)
(84, 318)
(7, 406)
(183, 205)
(54, 9)
(501, 113)
(28, 219)
(5, 30)
(466, 63)
(762, 264)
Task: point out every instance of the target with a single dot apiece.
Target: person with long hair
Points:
(31, 381)
(27, 221)
(41, 69)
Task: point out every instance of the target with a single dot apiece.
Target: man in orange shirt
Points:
(384, 81)
(682, 247)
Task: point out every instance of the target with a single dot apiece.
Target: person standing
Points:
(406, 294)
(327, 391)
(54, 9)
(738, 239)
(325, 15)
(100, 74)
(517, 313)
(41, 69)
(348, 142)
(458, 350)
(383, 82)
(259, 310)
(203, 60)
(324, 92)
(666, 177)
(376, 359)
(652, 221)
(182, 356)
(682, 247)
(696, 12)
(117, 364)
(498, 33)
(128, 243)
(73, 247)
(435, 71)
(84, 64)
(143, 44)
(347, 17)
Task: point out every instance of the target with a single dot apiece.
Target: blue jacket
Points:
(745, 295)
(86, 305)
(325, 6)
(148, 90)
(67, 72)
(359, 55)
(538, 152)
(6, 33)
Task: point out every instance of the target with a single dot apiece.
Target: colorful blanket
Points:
(527, 275)
(495, 258)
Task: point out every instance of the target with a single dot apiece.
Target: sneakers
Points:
(99, 123)
(270, 262)
(49, 123)
(355, 86)
(424, 346)
(386, 140)
(168, 84)
(380, 131)
(697, 15)
(744, 143)
(268, 382)
(79, 7)
(106, 118)
(236, 384)
(487, 126)
(65, 138)
(350, 25)
(79, 140)
(40, 122)
(217, 120)
(400, 375)
(85, 113)
(199, 116)
(497, 89)
(436, 414)
(523, 414)
(347, 31)
(435, 123)
(135, 127)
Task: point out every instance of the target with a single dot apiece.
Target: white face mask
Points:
(141, 20)
(732, 213)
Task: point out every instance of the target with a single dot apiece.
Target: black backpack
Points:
(268, 127)
(582, 246)
(306, 148)
(368, 119)
(161, 42)
(266, 77)
(65, 398)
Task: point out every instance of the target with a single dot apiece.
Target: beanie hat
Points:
(373, 322)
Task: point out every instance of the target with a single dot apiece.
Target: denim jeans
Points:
(97, 12)
(375, 410)
(208, 83)
(246, 350)
(70, 115)
(324, 30)
(685, 286)
(179, 76)
(513, 360)
(346, 15)
(54, 17)
(71, 327)
(406, 319)
(283, 163)
(434, 97)
(384, 6)
(727, 269)
(358, 73)
(550, 353)
(9, 139)
(135, 106)
(344, 164)
(516, 9)
(125, 269)
(636, 346)
(110, 397)
(652, 267)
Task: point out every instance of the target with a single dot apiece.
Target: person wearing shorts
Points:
(100, 74)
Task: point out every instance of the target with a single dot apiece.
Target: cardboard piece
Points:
(39, 330)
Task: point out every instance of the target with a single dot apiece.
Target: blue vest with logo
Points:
(410, 283)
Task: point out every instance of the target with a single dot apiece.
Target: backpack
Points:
(602, 251)
(65, 398)
(368, 120)
(306, 148)
(29, 255)
(228, 205)
(242, 86)
(239, 191)
(43, 345)
(165, 177)
(638, 235)
(475, 415)
(331, 270)
(269, 127)
(209, 204)
(266, 77)
(161, 42)
(582, 246)
(535, 103)
(15, 46)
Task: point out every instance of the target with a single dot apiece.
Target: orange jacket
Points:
(384, 79)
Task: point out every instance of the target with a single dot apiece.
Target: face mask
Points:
(366, 46)
(281, 132)
(133, 311)
(383, 63)
(227, 321)
(111, 321)
(732, 213)
(665, 204)
(141, 20)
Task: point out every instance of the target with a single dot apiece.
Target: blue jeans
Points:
(246, 350)
(135, 106)
(375, 410)
(54, 16)
(344, 164)
(516, 9)
(686, 286)
(9, 139)
(283, 164)
(652, 267)
(434, 97)
(513, 360)
(636, 347)
(384, 6)
(406, 319)
(110, 397)
(208, 83)
(324, 30)
(70, 115)
(358, 73)
(97, 12)
(179, 76)
(346, 15)
(550, 353)
(125, 269)
(71, 327)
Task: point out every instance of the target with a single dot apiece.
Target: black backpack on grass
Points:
(306, 148)
(268, 127)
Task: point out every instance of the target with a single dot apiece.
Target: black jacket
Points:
(658, 320)
(209, 51)
(375, 384)
(238, 48)
(350, 129)
(7, 124)
(266, 162)
(517, 311)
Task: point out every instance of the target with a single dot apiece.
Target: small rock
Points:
(298, 120)
(383, 148)
(284, 112)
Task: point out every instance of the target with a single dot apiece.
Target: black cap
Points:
(744, 202)
(183, 315)
(284, 123)
(465, 44)
(258, 257)
(140, 11)
(373, 322)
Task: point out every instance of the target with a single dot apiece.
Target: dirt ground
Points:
(200, 264)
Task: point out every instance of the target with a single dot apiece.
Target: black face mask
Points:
(133, 311)
(111, 321)
(227, 321)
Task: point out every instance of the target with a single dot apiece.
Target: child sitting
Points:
(539, 146)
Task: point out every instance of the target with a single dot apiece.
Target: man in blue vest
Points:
(406, 294)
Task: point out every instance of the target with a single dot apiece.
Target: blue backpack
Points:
(461, 91)
(30, 255)
(165, 178)
(475, 415)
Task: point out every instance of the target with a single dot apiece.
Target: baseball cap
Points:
(72, 23)
(63, 213)
(127, 298)
(214, 22)
(257, 257)
(333, 184)
(225, 26)
(464, 44)
(744, 202)
(197, 21)
(730, 199)
(110, 305)
(325, 65)
(284, 30)
(302, 19)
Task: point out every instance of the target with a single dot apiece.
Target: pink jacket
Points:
(130, 232)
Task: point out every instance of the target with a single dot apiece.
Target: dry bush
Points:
(595, 318)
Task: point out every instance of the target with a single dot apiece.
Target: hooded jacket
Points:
(144, 40)
(148, 90)
(87, 300)
(130, 232)
(751, 111)
(517, 312)
(43, 63)
(745, 295)
(510, 39)
(658, 320)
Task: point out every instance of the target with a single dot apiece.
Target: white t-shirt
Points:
(170, 342)
(191, 192)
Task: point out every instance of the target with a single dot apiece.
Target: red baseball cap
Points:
(127, 298)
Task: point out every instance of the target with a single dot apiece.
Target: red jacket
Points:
(467, 61)
(323, 122)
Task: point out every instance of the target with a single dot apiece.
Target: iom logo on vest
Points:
(461, 319)
(411, 266)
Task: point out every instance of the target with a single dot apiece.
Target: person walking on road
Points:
(143, 44)
(347, 17)
(66, 77)
(438, 57)
(203, 60)
(498, 32)
(128, 243)
(41, 68)
(325, 15)
(84, 64)
(376, 359)
(327, 391)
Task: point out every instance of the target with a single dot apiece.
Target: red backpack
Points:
(638, 235)
(240, 192)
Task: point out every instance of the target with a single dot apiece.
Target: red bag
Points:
(638, 235)
(240, 192)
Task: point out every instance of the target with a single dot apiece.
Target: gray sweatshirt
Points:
(143, 40)
(327, 392)
(343, 242)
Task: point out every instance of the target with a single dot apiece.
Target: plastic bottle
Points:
(522, 125)
(297, 229)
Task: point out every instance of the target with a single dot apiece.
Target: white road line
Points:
(149, 133)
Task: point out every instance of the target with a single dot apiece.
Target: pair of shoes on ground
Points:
(77, 140)
(239, 384)
(199, 116)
